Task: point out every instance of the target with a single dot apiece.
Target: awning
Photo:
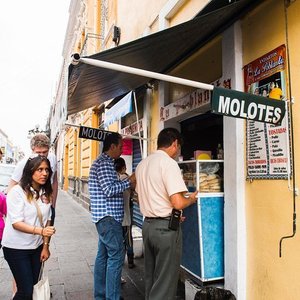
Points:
(159, 52)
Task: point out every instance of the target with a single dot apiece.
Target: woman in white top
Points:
(27, 232)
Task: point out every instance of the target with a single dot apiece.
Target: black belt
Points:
(157, 218)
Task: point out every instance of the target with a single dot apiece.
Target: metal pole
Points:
(138, 123)
(140, 72)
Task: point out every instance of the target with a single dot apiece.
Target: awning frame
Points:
(140, 72)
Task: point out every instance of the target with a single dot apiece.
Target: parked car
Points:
(6, 170)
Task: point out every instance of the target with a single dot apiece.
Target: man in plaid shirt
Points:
(106, 196)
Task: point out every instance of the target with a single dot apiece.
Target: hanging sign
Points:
(246, 106)
(198, 99)
(119, 110)
(260, 74)
(133, 129)
(93, 133)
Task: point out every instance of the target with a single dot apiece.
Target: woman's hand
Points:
(48, 231)
(45, 254)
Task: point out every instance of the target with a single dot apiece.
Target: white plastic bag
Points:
(41, 290)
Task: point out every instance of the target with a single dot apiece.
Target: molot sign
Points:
(247, 106)
(93, 133)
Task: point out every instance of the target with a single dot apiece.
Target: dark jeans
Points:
(25, 266)
(109, 260)
(128, 240)
(52, 216)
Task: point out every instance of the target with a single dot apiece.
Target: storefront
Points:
(189, 110)
(202, 169)
(201, 163)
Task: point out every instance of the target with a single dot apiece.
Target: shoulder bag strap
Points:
(38, 212)
(41, 271)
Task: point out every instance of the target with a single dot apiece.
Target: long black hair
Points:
(30, 167)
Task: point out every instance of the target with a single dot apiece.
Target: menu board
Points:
(278, 141)
(257, 159)
(268, 154)
(268, 146)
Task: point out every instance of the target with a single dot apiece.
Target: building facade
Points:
(248, 46)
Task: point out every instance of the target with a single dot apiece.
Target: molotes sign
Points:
(93, 133)
(247, 106)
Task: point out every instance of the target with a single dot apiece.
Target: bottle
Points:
(220, 152)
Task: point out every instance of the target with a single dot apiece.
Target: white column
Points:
(234, 172)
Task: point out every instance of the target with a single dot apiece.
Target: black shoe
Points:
(131, 265)
(130, 262)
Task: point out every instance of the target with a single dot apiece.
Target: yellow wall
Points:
(269, 202)
(188, 11)
(134, 24)
(71, 152)
(208, 58)
(89, 148)
(66, 161)
(154, 124)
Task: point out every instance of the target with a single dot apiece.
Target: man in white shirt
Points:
(161, 189)
(40, 144)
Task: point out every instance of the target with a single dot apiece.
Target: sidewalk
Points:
(73, 251)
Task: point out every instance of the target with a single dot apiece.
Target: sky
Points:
(32, 36)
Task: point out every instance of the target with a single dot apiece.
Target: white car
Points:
(6, 170)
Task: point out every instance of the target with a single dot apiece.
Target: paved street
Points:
(73, 251)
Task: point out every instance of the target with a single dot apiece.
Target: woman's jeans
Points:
(25, 266)
(109, 260)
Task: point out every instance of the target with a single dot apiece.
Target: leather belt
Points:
(157, 218)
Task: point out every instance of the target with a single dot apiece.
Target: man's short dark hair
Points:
(167, 136)
(113, 138)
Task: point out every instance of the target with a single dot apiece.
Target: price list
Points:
(267, 150)
(278, 149)
(256, 148)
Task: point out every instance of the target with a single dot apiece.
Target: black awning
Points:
(159, 52)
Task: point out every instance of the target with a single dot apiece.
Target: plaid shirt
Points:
(106, 190)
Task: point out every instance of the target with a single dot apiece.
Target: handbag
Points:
(41, 290)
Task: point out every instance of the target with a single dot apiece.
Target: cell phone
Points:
(175, 219)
